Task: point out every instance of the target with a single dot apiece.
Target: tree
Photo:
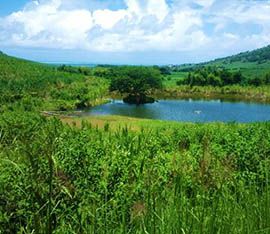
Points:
(267, 79)
(165, 70)
(255, 81)
(136, 82)
(214, 80)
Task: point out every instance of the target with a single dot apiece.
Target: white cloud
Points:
(140, 25)
(106, 19)
(140, 8)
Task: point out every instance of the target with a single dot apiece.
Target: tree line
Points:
(212, 76)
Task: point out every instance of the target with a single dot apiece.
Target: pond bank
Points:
(229, 93)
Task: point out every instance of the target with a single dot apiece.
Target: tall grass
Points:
(188, 179)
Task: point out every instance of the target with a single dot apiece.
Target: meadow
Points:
(113, 174)
(176, 178)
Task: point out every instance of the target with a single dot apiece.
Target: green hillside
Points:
(253, 65)
(250, 63)
(51, 88)
(261, 55)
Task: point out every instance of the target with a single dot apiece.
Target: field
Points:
(170, 80)
(177, 178)
(112, 174)
(249, 69)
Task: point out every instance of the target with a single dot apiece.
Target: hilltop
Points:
(255, 63)
(250, 63)
(259, 56)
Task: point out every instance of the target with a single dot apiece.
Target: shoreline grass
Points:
(230, 93)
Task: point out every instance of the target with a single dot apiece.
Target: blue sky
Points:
(132, 31)
(7, 7)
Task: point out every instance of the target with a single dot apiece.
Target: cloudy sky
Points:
(132, 31)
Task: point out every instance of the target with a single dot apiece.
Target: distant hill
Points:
(259, 56)
(251, 63)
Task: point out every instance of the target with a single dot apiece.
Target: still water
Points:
(188, 110)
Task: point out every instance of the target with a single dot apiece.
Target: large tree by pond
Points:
(135, 83)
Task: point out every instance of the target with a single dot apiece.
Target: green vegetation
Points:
(230, 93)
(242, 72)
(170, 81)
(212, 76)
(30, 84)
(187, 178)
(265, 80)
(259, 56)
(124, 175)
(136, 82)
(253, 65)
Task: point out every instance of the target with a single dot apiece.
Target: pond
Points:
(188, 110)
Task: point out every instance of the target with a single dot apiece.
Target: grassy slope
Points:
(251, 63)
(20, 79)
(170, 81)
(249, 69)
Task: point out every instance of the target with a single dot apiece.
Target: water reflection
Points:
(117, 107)
(189, 110)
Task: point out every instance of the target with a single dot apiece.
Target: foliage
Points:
(77, 70)
(164, 70)
(251, 63)
(265, 80)
(260, 56)
(193, 178)
(136, 82)
(163, 178)
(55, 89)
(212, 76)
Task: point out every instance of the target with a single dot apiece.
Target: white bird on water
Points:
(197, 112)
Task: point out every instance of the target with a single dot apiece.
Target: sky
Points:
(132, 31)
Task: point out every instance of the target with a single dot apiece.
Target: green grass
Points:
(113, 174)
(230, 93)
(251, 63)
(161, 178)
(31, 84)
(248, 69)
(170, 80)
(116, 122)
